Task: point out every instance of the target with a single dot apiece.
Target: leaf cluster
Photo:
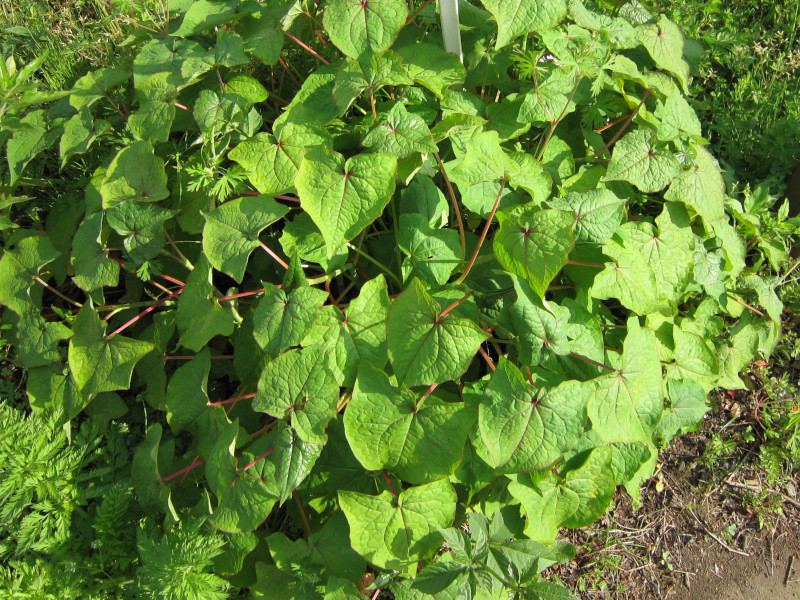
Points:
(362, 293)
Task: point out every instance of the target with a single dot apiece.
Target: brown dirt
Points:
(710, 527)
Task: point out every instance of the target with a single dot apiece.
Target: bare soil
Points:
(710, 525)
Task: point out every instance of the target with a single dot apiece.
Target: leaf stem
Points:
(624, 125)
(279, 260)
(193, 465)
(57, 293)
(590, 361)
(377, 263)
(487, 358)
(454, 202)
(146, 311)
(303, 516)
(307, 47)
(191, 357)
(444, 313)
(485, 231)
(186, 262)
(585, 264)
(232, 400)
(262, 457)
(389, 481)
(746, 305)
(242, 294)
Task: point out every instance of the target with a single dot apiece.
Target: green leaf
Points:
(424, 198)
(298, 386)
(598, 214)
(628, 402)
(93, 267)
(93, 86)
(244, 502)
(246, 87)
(687, 407)
(343, 197)
(575, 500)
(664, 42)
(531, 176)
(282, 320)
(142, 228)
(355, 77)
(231, 231)
(547, 591)
(484, 160)
(694, 359)
(283, 460)
(359, 29)
(145, 475)
(272, 162)
(79, 134)
(164, 55)
(629, 278)
(638, 159)
(204, 15)
(355, 336)
(34, 135)
(426, 347)
(701, 187)
(539, 325)
(102, 363)
(678, 119)
(401, 134)
(521, 429)
(19, 267)
(200, 315)
(37, 340)
(519, 17)
(420, 440)
(135, 173)
(188, 406)
(156, 96)
(534, 244)
(393, 533)
(432, 67)
(432, 254)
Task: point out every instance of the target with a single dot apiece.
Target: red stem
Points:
(389, 481)
(585, 264)
(454, 202)
(306, 524)
(231, 400)
(242, 294)
(746, 305)
(146, 311)
(191, 356)
(483, 234)
(280, 261)
(443, 314)
(610, 125)
(589, 360)
(487, 358)
(182, 471)
(173, 280)
(307, 47)
(263, 456)
(289, 198)
(625, 125)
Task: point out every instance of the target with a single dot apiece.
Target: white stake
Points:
(451, 30)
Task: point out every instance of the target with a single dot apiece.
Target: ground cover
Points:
(331, 285)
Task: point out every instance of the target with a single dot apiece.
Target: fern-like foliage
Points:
(174, 565)
(44, 477)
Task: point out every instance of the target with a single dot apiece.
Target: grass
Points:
(746, 88)
(77, 35)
